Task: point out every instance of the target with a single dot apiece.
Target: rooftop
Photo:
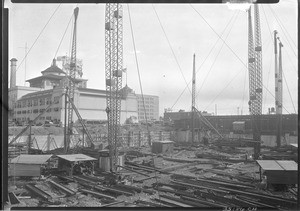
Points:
(278, 165)
(31, 159)
(76, 157)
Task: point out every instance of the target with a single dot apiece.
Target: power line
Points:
(38, 36)
(170, 47)
(289, 92)
(217, 54)
(205, 58)
(279, 23)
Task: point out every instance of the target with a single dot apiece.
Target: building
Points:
(224, 123)
(151, 108)
(26, 103)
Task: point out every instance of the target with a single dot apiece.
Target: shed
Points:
(67, 162)
(279, 171)
(164, 147)
(27, 165)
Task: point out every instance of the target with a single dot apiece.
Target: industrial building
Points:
(26, 103)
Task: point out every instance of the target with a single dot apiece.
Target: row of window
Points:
(36, 102)
(35, 111)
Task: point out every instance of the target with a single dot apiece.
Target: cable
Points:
(284, 27)
(279, 23)
(289, 92)
(205, 59)
(268, 80)
(63, 35)
(140, 82)
(217, 55)
(267, 22)
(38, 36)
(230, 48)
(171, 47)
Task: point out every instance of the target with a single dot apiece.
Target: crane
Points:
(193, 99)
(113, 76)
(279, 95)
(71, 85)
(255, 76)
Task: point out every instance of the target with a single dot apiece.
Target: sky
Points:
(165, 44)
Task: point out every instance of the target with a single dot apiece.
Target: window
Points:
(55, 109)
(42, 110)
(49, 110)
(56, 100)
(29, 111)
(36, 111)
(29, 103)
(19, 105)
(48, 117)
(24, 104)
(18, 112)
(48, 101)
(35, 102)
(23, 112)
(42, 101)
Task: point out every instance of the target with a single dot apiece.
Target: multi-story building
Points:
(151, 108)
(26, 103)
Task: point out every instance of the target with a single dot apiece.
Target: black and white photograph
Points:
(155, 105)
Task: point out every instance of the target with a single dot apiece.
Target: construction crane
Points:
(113, 76)
(71, 85)
(279, 99)
(255, 76)
(193, 99)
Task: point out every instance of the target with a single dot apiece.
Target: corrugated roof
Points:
(278, 165)
(76, 157)
(31, 159)
(294, 145)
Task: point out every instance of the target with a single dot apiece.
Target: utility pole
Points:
(193, 99)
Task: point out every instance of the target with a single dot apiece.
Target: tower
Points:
(113, 75)
(13, 70)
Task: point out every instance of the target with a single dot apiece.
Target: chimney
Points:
(54, 62)
(13, 70)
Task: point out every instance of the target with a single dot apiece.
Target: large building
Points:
(26, 103)
(151, 108)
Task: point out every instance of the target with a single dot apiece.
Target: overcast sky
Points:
(223, 77)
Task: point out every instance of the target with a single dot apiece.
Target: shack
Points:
(72, 162)
(164, 147)
(279, 171)
(28, 165)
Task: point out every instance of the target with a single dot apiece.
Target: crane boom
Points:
(82, 123)
(71, 85)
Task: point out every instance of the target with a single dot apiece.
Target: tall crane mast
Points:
(113, 76)
(251, 65)
(279, 97)
(258, 61)
(193, 99)
(255, 76)
(71, 84)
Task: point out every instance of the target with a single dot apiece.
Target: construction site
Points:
(184, 159)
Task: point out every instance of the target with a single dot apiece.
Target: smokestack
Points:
(13, 70)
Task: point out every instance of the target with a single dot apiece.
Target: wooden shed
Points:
(27, 165)
(279, 171)
(164, 147)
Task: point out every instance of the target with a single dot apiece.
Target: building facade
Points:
(26, 103)
(151, 108)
